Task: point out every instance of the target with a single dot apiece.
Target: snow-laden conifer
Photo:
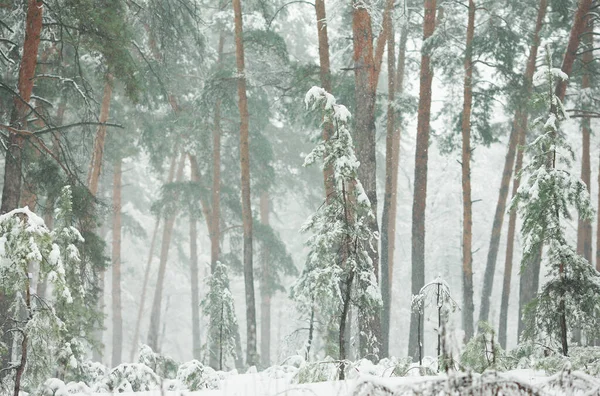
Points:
(338, 272)
(548, 193)
(218, 306)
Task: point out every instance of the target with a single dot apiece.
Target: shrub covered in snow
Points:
(163, 366)
(194, 376)
(129, 377)
(324, 370)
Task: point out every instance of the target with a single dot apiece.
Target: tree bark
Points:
(367, 65)
(11, 190)
(517, 136)
(251, 353)
(136, 332)
(584, 228)
(117, 334)
(467, 265)
(420, 178)
(325, 76)
(153, 332)
(215, 214)
(265, 291)
(390, 199)
(196, 340)
(98, 153)
(579, 23)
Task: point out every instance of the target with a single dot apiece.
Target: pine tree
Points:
(339, 272)
(217, 305)
(569, 298)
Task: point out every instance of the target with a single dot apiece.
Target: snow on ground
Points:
(516, 382)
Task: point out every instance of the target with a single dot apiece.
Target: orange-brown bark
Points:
(117, 333)
(251, 352)
(467, 264)
(420, 178)
(325, 76)
(11, 191)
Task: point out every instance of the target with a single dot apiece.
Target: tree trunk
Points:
(584, 228)
(467, 265)
(517, 136)
(420, 178)
(98, 153)
(117, 336)
(196, 340)
(215, 217)
(136, 333)
(11, 191)
(153, 332)
(579, 23)
(13, 159)
(390, 199)
(325, 75)
(265, 291)
(367, 65)
(528, 286)
(251, 353)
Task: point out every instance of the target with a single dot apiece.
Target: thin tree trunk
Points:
(24, 343)
(390, 199)
(420, 178)
(11, 190)
(215, 218)
(467, 265)
(251, 353)
(325, 75)
(584, 228)
(196, 340)
(117, 334)
(153, 332)
(98, 153)
(265, 291)
(517, 135)
(136, 333)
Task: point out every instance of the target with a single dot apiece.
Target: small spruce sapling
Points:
(338, 272)
(549, 191)
(218, 306)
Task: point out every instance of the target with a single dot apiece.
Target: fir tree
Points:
(339, 271)
(545, 199)
(218, 306)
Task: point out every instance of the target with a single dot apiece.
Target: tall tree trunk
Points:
(153, 332)
(265, 290)
(251, 353)
(215, 217)
(196, 340)
(136, 332)
(420, 179)
(367, 65)
(584, 228)
(325, 76)
(517, 136)
(117, 334)
(467, 265)
(390, 199)
(528, 286)
(93, 180)
(11, 190)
